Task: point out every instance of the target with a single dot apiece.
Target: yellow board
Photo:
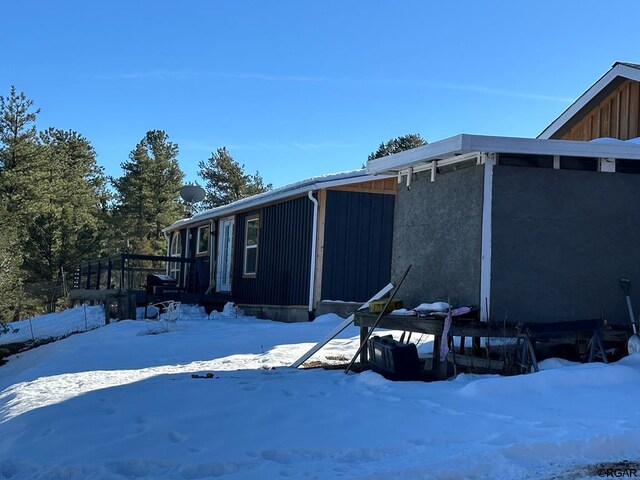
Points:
(377, 305)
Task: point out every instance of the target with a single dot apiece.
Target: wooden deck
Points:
(576, 332)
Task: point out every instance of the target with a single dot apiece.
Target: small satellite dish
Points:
(192, 193)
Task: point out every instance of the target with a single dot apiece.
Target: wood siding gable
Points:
(616, 116)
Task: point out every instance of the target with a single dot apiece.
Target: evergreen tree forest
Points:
(58, 209)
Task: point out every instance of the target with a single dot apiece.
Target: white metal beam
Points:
(485, 262)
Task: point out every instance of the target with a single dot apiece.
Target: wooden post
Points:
(89, 276)
(364, 354)
(109, 267)
(106, 303)
(132, 306)
(122, 286)
(126, 306)
(322, 208)
(435, 364)
(98, 273)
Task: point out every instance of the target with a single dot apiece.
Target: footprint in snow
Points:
(177, 437)
(140, 419)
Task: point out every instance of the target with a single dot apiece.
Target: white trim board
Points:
(453, 147)
(485, 260)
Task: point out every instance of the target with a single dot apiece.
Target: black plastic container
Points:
(392, 359)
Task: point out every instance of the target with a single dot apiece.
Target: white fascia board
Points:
(452, 148)
(247, 204)
(398, 161)
(618, 70)
(538, 146)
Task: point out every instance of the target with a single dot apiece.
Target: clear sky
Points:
(297, 88)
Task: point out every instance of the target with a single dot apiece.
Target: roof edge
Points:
(619, 69)
(466, 143)
(315, 183)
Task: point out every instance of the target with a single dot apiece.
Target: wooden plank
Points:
(477, 362)
(634, 109)
(384, 186)
(433, 326)
(624, 111)
(614, 115)
(604, 120)
(92, 295)
(322, 210)
(426, 325)
(586, 129)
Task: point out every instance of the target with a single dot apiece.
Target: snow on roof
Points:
(286, 191)
(461, 144)
(619, 69)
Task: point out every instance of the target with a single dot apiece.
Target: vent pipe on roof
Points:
(312, 273)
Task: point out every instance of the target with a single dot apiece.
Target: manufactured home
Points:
(314, 245)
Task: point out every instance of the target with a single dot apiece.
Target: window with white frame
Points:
(252, 227)
(175, 251)
(202, 245)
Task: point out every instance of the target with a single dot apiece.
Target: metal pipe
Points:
(313, 250)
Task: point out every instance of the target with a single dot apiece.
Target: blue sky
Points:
(296, 89)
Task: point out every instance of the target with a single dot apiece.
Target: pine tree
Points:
(398, 144)
(67, 225)
(19, 167)
(19, 161)
(226, 180)
(148, 193)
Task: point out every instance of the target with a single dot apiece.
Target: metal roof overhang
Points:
(454, 148)
(282, 193)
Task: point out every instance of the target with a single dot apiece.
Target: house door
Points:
(225, 248)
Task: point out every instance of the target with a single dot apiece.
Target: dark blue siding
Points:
(357, 245)
(284, 253)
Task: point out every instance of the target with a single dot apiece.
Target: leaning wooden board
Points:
(335, 332)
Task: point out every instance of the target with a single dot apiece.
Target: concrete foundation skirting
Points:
(295, 313)
(275, 312)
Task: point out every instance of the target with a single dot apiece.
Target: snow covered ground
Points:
(53, 325)
(121, 403)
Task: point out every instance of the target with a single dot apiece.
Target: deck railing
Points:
(127, 271)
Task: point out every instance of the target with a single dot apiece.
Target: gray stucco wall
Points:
(561, 240)
(438, 230)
